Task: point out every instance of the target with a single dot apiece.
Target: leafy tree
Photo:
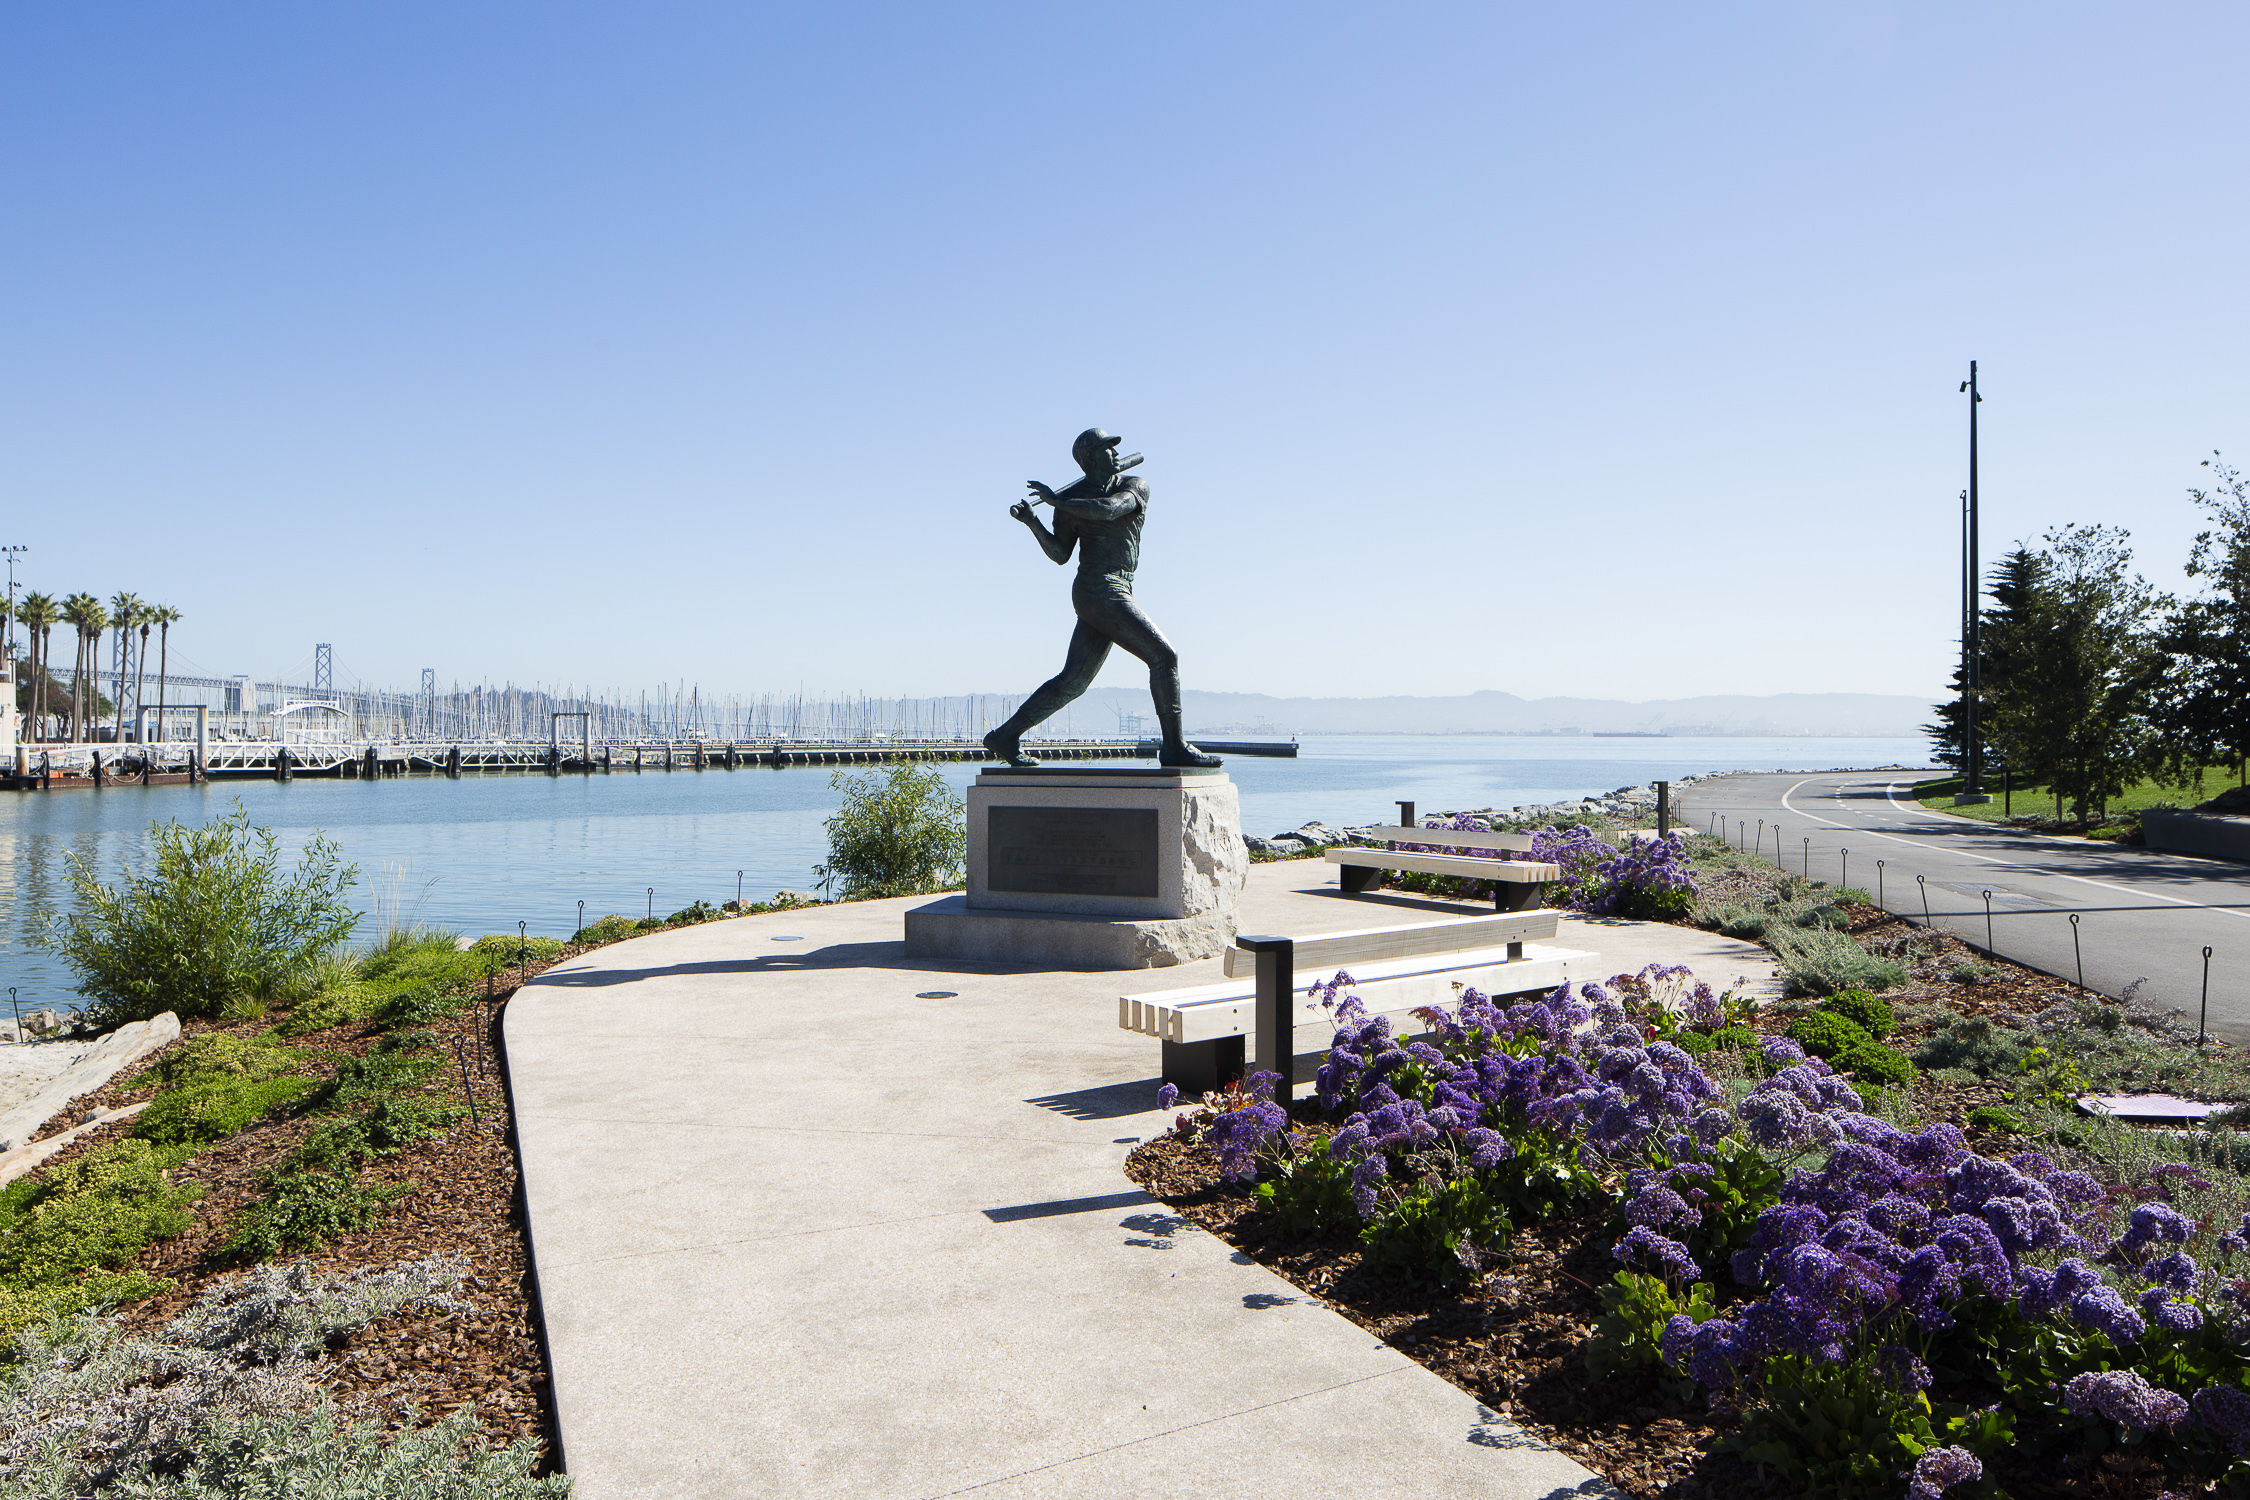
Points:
(900, 831)
(2002, 634)
(215, 928)
(2082, 662)
(2202, 709)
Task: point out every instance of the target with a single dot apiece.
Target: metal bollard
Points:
(2201, 1021)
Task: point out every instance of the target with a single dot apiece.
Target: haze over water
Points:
(483, 853)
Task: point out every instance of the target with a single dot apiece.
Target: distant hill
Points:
(1492, 712)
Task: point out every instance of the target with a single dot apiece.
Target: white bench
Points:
(1395, 970)
(1518, 880)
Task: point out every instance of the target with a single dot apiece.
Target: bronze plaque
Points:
(1071, 851)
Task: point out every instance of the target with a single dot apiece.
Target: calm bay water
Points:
(483, 853)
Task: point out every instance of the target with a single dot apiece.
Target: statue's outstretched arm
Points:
(1057, 548)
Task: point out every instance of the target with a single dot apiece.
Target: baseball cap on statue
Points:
(1092, 438)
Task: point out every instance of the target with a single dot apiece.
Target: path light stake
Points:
(2077, 956)
(1808, 859)
(19, 1009)
(652, 903)
(1739, 827)
(2200, 1019)
(1988, 948)
(1925, 885)
(1878, 884)
(462, 1057)
(1762, 838)
(738, 890)
(581, 927)
(1845, 882)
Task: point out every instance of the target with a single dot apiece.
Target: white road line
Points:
(2123, 890)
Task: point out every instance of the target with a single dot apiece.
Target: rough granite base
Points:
(950, 928)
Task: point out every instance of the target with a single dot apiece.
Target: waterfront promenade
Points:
(805, 1226)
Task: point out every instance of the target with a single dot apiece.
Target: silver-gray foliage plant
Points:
(224, 1402)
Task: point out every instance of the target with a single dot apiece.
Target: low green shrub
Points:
(505, 948)
(1442, 1233)
(422, 958)
(1737, 921)
(1629, 1335)
(217, 1056)
(1996, 1117)
(1697, 1043)
(701, 911)
(1973, 971)
(299, 1210)
(605, 930)
(346, 1143)
(1825, 1035)
(90, 1215)
(217, 1108)
(345, 1005)
(1872, 1062)
(1873, 1013)
(1310, 1192)
(1819, 962)
(647, 924)
(419, 1007)
(1974, 1045)
(395, 1067)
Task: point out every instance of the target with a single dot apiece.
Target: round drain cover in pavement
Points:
(791, 939)
(935, 994)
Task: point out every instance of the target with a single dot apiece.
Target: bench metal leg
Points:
(1516, 895)
(1198, 1067)
(1360, 879)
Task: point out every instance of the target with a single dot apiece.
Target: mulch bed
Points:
(410, 1368)
(1516, 1342)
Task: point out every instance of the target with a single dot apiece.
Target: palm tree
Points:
(140, 673)
(38, 616)
(165, 617)
(124, 613)
(84, 611)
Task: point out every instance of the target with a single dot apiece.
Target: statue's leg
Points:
(1089, 648)
(1123, 621)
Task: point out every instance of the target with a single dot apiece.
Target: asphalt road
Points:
(2142, 915)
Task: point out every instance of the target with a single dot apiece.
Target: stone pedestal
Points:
(1092, 868)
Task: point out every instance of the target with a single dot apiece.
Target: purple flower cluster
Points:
(1582, 857)
(1641, 873)
(1891, 1222)
(2123, 1396)
(1939, 1470)
(2224, 1411)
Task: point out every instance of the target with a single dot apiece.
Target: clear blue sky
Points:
(1595, 349)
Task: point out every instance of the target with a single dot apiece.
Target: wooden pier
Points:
(62, 767)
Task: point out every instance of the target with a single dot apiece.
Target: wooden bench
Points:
(1519, 879)
(1395, 970)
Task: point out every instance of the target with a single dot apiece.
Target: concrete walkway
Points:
(804, 1227)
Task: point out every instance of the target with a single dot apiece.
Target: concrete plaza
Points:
(805, 1226)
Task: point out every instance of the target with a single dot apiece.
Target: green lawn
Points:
(2035, 805)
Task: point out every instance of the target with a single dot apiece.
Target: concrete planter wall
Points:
(2198, 833)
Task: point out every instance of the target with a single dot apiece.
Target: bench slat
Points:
(1519, 843)
(1329, 951)
(1520, 870)
(1213, 1011)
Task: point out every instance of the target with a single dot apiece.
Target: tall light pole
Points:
(1972, 623)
